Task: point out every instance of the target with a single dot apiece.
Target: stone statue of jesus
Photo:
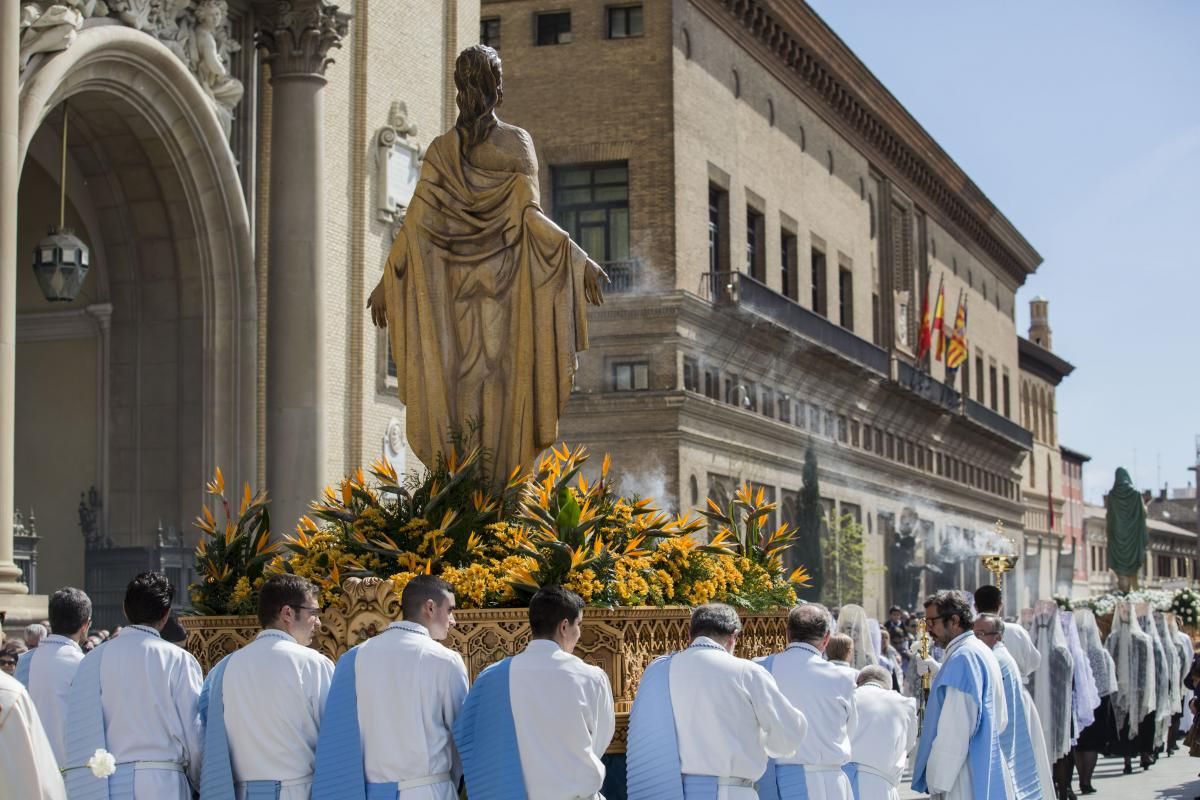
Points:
(483, 295)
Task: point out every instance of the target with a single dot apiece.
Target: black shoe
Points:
(1087, 789)
(1129, 771)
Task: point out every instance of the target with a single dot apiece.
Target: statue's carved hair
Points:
(478, 79)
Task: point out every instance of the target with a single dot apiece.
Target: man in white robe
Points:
(959, 756)
(27, 766)
(824, 693)
(839, 651)
(989, 600)
(408, 690)
(723, 715)
(885, 734)
(137, 696)
(261, 722)
(556, 712)
(47, 671)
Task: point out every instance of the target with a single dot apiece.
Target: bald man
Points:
(886, 733)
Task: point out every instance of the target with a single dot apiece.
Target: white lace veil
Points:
(1183, 643)
(1104, 669)
(1172, 652)
(1159, 666)
(1051, 683)
(852, 621)
(1085, 698)
(1133, 654)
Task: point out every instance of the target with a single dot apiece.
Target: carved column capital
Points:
(297, 35)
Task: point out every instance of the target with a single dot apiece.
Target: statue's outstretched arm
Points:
(396, 263)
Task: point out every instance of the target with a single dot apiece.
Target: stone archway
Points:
(179, 395)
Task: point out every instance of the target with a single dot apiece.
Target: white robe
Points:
(52, 666)
(410, 690)
(885, 734)
(275, 690)
(150, 694)
(27, 766)
(824, 693)
(730, 716)
(563, 712)
(948, 770)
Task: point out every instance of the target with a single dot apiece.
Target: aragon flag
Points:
(939, 319)
(925, 337)
(956, 353)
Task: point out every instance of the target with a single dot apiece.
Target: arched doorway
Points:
(148, 381)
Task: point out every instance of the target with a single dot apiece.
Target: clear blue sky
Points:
(1080, 119)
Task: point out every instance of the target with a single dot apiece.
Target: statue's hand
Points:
(593, 273)
(377, 302)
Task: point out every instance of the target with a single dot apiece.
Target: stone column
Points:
(296, 38)
(10, 169)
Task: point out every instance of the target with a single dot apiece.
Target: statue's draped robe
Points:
(1125, 525)
(485, 307)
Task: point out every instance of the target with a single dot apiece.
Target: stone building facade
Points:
(237, 169)
(771, 217)
(1073, 574)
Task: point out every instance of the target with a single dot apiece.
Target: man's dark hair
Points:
(988, 599)
(550, 606)
(147, 598)
(950, 603)
(420, 589)
(895, 608)
(714, 620)
(70, 608)
(280, 591)
(808, 623)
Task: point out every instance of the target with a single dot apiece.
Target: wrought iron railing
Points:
(925, 385)
(999, 423)
(623, 276)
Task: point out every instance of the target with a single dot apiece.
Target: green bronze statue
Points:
(1125, 525)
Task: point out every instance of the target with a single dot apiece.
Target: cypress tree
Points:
(808, 543)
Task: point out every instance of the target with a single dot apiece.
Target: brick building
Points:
(771, 217)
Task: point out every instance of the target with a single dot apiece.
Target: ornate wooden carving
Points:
(621, 641)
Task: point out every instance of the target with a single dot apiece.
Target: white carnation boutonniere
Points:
(102, 763)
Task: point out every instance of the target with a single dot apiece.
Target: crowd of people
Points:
(982, 708)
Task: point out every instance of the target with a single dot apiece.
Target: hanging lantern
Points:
(60, 261)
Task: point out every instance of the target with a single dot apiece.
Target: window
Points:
(937, 458)
(755, 245)
(691, 374)
(624, 22)
(876, 320)
(994, 388)
(853, 433)
(891, 446)
(489, 32)
(843, 433)
(868, 438)
(1032, 472)
(879, 441)
(768, 403)
(829, 423)
(818, 282)
(553, 28)
(591, 202)
(712, 384)
(846, 298)
(731, 389)
(785, 408)
(789, 281)
(749, 395)
(718, 225)
(1007, 405)
(391, 362)
(979, 378)
(814, 418)
(628, 376)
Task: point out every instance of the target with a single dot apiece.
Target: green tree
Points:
(843, 556)
(808, 550)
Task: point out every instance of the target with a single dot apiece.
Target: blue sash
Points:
(85, 735)
(965, 670)
(340, 773)
(1015, 740)
(487, 738)
(851, 770)
(22, 673)
(652, 769)
(216, 773)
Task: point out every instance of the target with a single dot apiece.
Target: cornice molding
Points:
(786, 38)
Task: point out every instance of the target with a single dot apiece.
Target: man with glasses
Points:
(392, 707)
(959, 756)
(262, 705)
(1017, 741)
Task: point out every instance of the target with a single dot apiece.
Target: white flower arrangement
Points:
(102, 763)
(1063, 602)
(1186, 605)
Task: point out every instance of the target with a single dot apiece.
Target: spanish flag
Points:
(925, 337)
(956, 353)
(939, 318)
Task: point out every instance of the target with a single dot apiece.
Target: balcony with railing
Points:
(999, 424)
(624, 277)
(738, 288)
(925, 385)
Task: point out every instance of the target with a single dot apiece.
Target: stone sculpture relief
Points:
(197, 31)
